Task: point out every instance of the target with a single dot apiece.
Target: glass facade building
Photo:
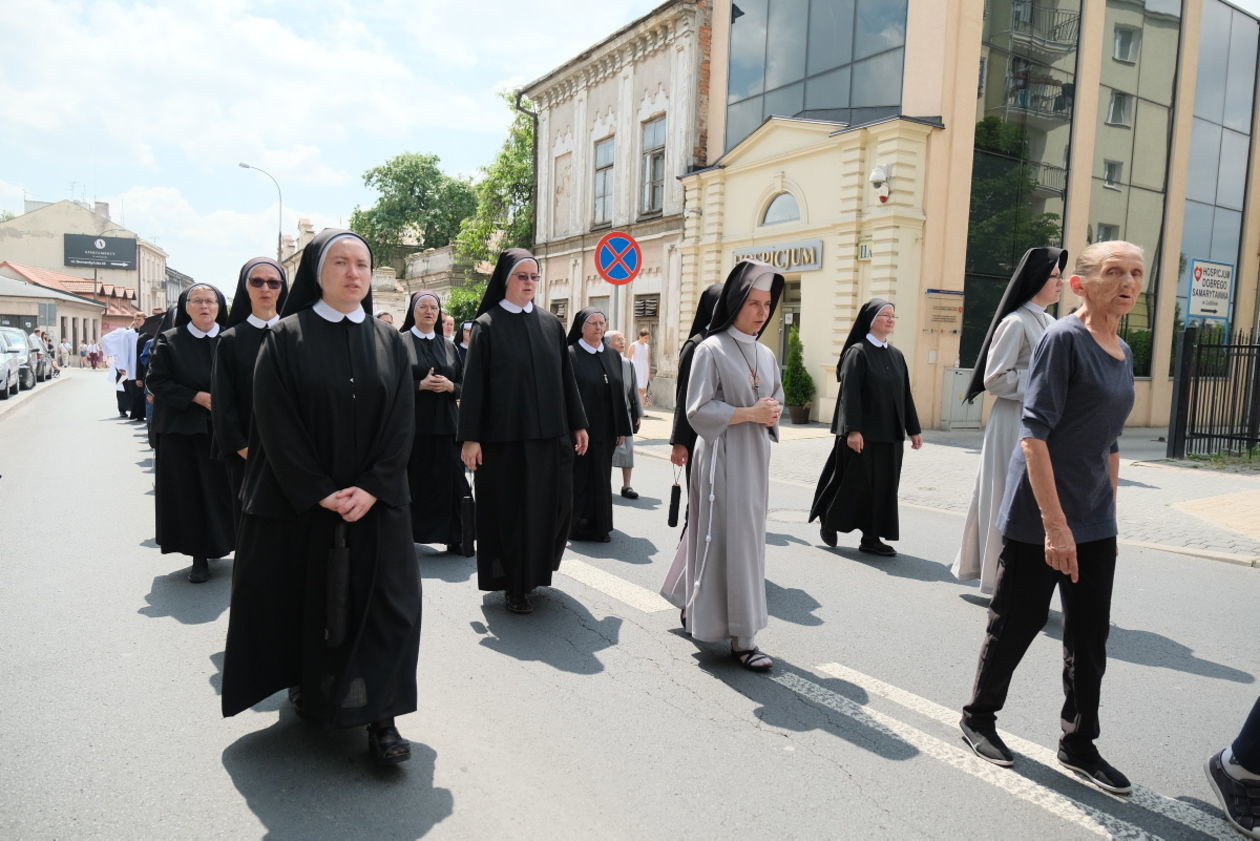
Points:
(838, 60)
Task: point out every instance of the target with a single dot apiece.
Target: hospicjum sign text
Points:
(790, 256)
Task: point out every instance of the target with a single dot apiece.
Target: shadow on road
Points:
(647, 503)
(305, 782)
(787, 709)
(902, 566)
(774, 538)
(444, 566)
(791, 604)
(622, 547)
(272, 703)
(190, 604)
(560, 632)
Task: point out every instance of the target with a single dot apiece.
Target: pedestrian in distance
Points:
(261, 288)
(734, 399)
(461, 347)
(448, 328)
(83, 352)
(641, 357)
(521, 423)
(435, 473)
(597, 369)
(1002, 370)
(1058, 516)
(875, 412)
(682, 437)
(326, 592)
(623, 455)
(386, 316)
(192, 499)
(1234, 774)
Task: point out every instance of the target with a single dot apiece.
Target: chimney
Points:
(102, 209)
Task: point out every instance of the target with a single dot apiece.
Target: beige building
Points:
(617, 127)
(39, 238)
(39, 299)
(915, 149)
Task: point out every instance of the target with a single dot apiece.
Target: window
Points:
(1126, 45)
(1120, 110)
(646, 306)
(653, 165)
(560, 309)
(1113, 174)
(783, 209)
(1106, 232)
(603, 181)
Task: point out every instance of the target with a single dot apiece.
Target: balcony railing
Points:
(1051, 100)
(1050, 26)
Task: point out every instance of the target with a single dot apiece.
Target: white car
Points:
(13, 351)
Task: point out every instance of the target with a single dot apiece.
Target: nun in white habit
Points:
(734, 399)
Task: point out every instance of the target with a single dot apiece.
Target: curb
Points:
(22, 397)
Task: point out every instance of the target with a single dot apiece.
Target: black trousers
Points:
(124, 397)
(1247, 746)
(1018, 612)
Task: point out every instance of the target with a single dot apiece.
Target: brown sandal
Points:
(387, 745)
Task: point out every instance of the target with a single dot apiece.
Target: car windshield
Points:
(14, 342)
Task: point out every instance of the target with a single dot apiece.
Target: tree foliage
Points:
(798, 385)
(504, 215)
(419, 206)
(462, 302)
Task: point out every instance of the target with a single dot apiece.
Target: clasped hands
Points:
(351, 503)
(436, 382)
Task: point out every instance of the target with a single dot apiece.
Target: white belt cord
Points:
(708, 537)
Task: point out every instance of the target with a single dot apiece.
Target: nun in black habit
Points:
(261, 288)
(597, 369)
(192, 502)
(682, 437)
(875, 412)
(461, 346)
(520, 421)
(435, 473)
(333, 420)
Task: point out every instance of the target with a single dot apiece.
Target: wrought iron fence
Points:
(1216, 393)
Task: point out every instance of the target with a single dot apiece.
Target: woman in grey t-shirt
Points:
(1058, 516)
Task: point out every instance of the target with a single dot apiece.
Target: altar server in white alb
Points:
(734, 399)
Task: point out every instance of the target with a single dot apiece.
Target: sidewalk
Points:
(1170, 506)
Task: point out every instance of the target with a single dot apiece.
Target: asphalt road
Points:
(594, 717)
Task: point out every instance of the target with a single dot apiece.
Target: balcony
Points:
(1044, 27)
(1045, 103)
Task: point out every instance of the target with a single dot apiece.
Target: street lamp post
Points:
(280, 220)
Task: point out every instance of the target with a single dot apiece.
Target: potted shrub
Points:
(798, 385)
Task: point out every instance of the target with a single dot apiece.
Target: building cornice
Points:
(667, 23)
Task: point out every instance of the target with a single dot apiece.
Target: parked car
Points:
(17, 366)
(12, 352)
(41, 358)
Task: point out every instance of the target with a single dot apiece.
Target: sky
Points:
(150, 106)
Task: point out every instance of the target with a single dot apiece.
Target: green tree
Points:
(462, 301)
(504, 217)
(5, 216)
(419, 205)
(798, 385)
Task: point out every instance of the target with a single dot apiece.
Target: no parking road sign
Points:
(618, 258)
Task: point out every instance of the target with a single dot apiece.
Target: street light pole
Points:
(280, 220)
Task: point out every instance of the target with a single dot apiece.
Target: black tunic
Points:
(233, 400)
(859, 490)
(333, 408)
(520, 402)
(435, 473)
(603, 394)
(192, 501)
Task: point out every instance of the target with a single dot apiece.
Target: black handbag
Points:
(468, 519)
(675, 497)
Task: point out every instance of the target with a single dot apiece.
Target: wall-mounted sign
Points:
(790, 257)
(1211, 287)
(618, 258)
(944, 310)
(866, 250)
(100, 252)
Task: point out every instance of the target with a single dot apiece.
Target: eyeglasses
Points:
(204, 302)
(530, 277)
(259, 283)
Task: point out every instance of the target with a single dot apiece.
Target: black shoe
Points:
(828, 536)
(387, 745)
(200, 572)
(629, 493)
(1240, 799)
(877, 547)
(519, 603)
(1096, 771)
(987, 744)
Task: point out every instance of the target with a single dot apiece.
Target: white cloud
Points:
(12, 198)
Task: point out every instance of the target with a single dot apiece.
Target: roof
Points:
(15, 288)
(78, 287)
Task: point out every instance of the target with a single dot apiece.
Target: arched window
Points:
(783, 209)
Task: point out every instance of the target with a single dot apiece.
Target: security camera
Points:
(878, 177)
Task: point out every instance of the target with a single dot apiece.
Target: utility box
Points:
(957, 413)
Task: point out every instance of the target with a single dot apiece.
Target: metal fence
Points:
(1216, 393)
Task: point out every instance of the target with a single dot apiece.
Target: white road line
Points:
(1175, 810)
(1086, 817)
(639, 598)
